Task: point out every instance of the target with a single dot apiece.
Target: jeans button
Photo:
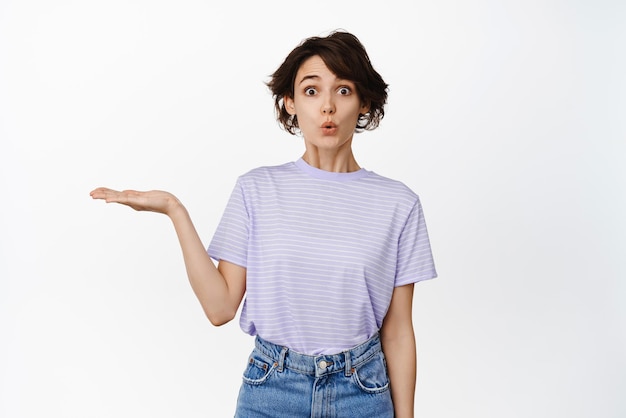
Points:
(322, 364)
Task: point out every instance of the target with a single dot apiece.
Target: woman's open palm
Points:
(153, 201)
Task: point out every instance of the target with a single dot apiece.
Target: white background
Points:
(506, 117)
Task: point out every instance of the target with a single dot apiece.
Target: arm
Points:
(398, 341)
(219, 289)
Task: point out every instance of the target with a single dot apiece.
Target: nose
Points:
(328, 107)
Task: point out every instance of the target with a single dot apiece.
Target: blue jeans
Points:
(279, 382)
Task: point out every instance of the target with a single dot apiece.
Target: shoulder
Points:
(269, 179)
(267, 172)
(390, 187)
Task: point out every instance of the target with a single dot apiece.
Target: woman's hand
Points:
(153, 201)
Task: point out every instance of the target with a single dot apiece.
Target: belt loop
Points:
(348, 358)
(281, 359)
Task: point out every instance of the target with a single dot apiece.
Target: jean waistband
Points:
(322, 364)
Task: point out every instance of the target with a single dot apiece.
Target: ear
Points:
(365, 107)
(290, 105)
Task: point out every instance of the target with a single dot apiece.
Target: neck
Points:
(336, 160)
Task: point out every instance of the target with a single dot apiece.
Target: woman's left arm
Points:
(398, 341)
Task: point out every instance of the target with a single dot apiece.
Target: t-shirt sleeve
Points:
(415, 260)
(230, 242)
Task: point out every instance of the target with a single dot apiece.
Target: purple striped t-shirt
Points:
(323, 252)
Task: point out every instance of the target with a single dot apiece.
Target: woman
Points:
(325, 251)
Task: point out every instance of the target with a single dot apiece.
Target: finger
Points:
(100, 192)
(111, 196)
(125, 196)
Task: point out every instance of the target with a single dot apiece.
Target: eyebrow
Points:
(317, 77)
(309, 77)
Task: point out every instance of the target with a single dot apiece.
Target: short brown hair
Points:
(345, 56)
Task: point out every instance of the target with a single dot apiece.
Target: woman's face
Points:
(327, 107)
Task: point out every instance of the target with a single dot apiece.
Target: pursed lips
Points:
(329, 128)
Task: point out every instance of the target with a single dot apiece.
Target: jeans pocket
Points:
(258, 369)
(371, 376)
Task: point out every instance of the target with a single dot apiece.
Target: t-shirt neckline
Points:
(329, 175)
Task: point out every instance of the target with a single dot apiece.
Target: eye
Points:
(310, 91)
(344, 91)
